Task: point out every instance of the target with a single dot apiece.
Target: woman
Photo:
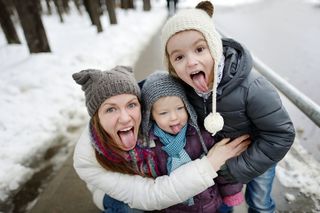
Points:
(110, 151)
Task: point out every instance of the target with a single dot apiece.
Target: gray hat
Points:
(101, 85)
(160, 84)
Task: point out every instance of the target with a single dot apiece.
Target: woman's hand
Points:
(226, 149)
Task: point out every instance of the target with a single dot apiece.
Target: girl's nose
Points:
(191, 60)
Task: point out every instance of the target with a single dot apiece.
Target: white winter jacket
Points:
(139, 192)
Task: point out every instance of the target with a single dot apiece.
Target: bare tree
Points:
(59, 7)
(130, 4)
(93, 9)
(65, 6)
(111, 11)
(48, 7)
(32, 26)
(77, 4)
(146, 5)
(124, 4)
(7, 25)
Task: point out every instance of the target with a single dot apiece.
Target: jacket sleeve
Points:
(139, 192)
(272, 135)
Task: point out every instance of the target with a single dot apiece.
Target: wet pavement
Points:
(284, 35)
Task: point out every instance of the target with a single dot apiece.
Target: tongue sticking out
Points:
(127, 138)
(200, 82)
(175, 129)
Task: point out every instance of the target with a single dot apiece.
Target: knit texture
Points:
(198, 19)
(101, 85)
(160, 84)
(234, 200)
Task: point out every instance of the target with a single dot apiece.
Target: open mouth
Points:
(175, 128)
(127, 136)
(199, 81)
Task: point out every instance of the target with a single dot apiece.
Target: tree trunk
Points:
(146, 5)
(124, 4)
(58, 4)
(94, 10)
(111, 11)
(48, 7)
(32, 26)
(131, 4)
(77, 4)
(39, 6)
(7, 25)
(65, 6)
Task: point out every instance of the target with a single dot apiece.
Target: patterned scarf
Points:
(173, 145)
(143, 159)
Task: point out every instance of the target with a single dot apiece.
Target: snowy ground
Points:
(41, 106)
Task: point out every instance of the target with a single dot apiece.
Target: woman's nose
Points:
(124, 116)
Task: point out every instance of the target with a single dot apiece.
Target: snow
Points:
(43, 108)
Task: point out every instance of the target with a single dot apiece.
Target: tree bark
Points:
(65, 6)
(58, 4)
(7, 25)
(130, 4)
(48, 7)
(111, 11)
(93, 9)
(32, 26)
(77, 4)
(146, 5)
(124, 4)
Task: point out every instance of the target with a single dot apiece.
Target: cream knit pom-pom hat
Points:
(199, 19)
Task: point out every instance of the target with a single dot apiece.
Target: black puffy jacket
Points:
(249, 104)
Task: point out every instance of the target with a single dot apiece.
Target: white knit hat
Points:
(199, 19)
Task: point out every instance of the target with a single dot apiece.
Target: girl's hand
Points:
(226, 149)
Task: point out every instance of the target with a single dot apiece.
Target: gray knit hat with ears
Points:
(199, 19)
(101, 85)
(160, 84)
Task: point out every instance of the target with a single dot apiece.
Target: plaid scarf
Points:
(142, 158)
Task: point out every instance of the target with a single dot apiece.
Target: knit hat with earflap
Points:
(101, 85)
(160, 84)
(199, 19)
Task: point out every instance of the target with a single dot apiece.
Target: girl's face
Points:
(191, 59)
(170, 114)
(120, 117)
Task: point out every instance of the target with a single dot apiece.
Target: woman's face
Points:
(120, 117)
(191, 59)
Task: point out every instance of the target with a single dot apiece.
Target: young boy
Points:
(218, 77)
(170, 123)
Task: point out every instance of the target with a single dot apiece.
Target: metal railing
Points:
(304, 103)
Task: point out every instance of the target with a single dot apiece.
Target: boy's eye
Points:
(162, 113)
(181, 108)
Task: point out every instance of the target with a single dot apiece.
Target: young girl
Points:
(110, 151)
(218, 77)
(171, 123)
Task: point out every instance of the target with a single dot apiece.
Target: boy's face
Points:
(170, 114)
(191, 59)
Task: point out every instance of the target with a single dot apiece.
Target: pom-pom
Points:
(213, 123)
